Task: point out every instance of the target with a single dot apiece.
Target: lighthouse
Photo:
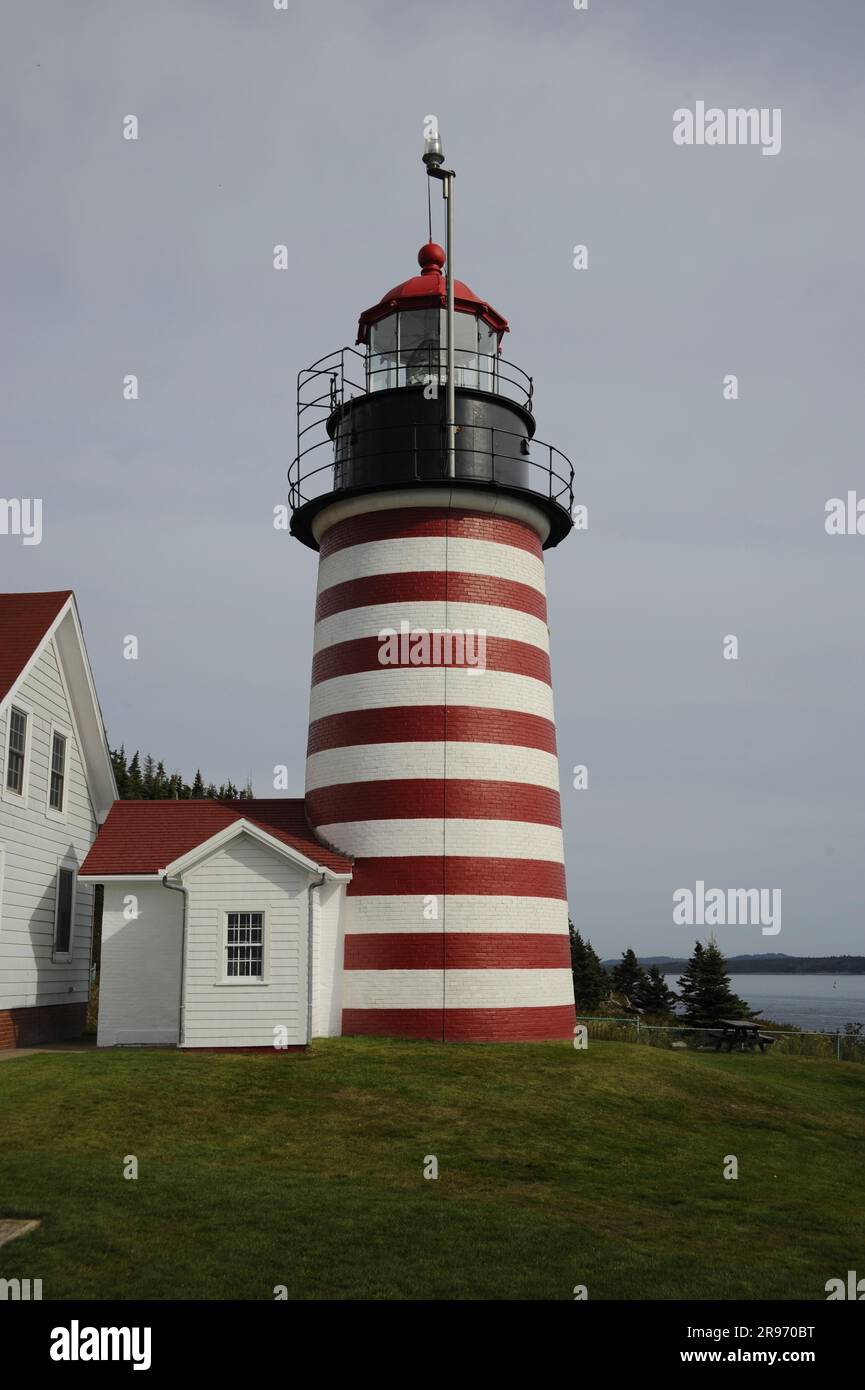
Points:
(431, 760)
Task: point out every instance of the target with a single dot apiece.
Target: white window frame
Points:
(18, 798)
(245, 981)
(65, 732)
(62, 957)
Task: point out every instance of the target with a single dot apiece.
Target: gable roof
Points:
(24, 621)
(143, 837)
(29, 623)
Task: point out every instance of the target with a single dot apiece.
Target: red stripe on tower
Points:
(407, 798)
(430, 588)
(365, 654)
(514, 1024)
(413, 724)
(419, 876)
(435, 950)
(410, 523)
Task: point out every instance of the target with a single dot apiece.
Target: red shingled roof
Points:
(142, 837)
(24, 621)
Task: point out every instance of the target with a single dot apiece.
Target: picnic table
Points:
(743, 1033)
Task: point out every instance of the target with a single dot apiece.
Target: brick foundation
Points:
(43, 1023)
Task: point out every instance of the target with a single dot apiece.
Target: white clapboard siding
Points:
(246, 876)
(139, 982)
(34, 844)
(328, 946)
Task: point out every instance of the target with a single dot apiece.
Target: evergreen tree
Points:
(689, 982)
(652, 995)
(135, 785)
(121, 772)
(153, 783)
(705, 987)
(590, 978)
(628, 975)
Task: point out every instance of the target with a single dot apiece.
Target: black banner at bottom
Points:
(60, 1339)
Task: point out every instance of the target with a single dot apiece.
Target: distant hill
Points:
(767, 963)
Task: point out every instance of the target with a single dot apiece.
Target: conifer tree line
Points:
(705, 994)
(147, 780)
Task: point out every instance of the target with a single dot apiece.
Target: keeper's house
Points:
(56, 787)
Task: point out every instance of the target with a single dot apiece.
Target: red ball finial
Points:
(431, 258)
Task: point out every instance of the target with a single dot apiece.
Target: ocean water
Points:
(823, 1003)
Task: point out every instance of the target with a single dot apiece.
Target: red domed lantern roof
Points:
(429, 291)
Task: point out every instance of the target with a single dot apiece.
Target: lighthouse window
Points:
(466, 350)
(418, 345)
(487, 356)
(245, 945)
(382, 354)
(408, 348)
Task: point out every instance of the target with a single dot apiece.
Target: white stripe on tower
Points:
(399, 686)
(338, 766)
(375, 913)
(460, 617)
(442, 783)
(443, 834)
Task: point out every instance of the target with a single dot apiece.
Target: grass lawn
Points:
(556, 1168)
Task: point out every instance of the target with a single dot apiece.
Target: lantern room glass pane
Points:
(488, 343)
(409, 347)
(418, 346)
(382, 354)
(466, 350)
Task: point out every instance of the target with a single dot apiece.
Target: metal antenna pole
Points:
(433, 158)
(448, 193)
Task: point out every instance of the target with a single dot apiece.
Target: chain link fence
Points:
(846, 1046)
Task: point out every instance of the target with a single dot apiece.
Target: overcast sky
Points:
(706, 516)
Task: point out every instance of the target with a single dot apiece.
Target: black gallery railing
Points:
(415, 452)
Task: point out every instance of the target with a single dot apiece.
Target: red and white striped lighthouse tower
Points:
(432, 758)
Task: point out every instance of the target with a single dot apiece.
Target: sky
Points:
(302, 126)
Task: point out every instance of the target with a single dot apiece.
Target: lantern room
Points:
(405, 333)
(377, 416)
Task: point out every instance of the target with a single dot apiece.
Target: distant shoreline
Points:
(770, 964)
